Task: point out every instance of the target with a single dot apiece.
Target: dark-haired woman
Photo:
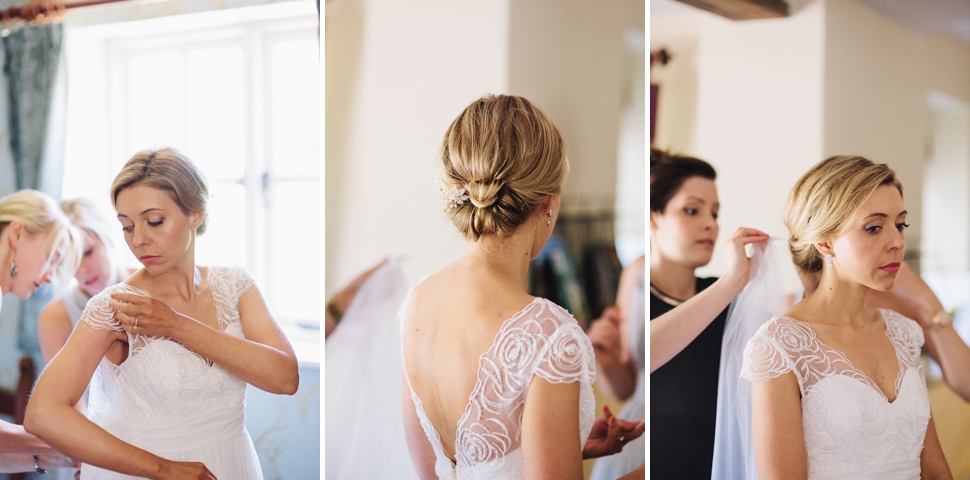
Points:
(687, 313)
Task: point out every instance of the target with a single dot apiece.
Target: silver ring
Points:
(136, 324)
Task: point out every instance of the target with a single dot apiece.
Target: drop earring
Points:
(13, 269)
(549, 218)
(828, 259)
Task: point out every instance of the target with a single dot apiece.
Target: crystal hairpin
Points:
(453, 195)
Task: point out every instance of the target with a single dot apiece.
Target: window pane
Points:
(215, 124)
(295, 106)
(224, 242)
(295, 236)
(156, 95)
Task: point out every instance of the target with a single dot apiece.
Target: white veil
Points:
(364, 418)
(764, 297)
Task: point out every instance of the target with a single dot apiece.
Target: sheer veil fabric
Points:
(772, 278)
(365, 425)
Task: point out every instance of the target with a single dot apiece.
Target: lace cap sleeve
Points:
(765, 357)
(906, 334)
(232, 281)
(98, 312)
(568, 354)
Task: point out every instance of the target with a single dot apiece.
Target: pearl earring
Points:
(549, 218)
(828, 259)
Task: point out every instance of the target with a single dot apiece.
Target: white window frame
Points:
(109, 52)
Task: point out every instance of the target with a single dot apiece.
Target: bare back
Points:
(451, 319)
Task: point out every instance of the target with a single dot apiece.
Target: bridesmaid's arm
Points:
(53, 329)
(618, 369)
(776, 429)
(14, 439)
(52, 417)
(671, 332)
(551, 447)
(422, 453)
(263, 358)
(932, 463)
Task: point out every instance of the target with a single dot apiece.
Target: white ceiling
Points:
(924, 17)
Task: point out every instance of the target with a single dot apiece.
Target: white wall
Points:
(875, 96)
(398, 74)
(946, 242)
(774, 97)
(758, 114)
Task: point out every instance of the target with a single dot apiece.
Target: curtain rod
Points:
(45, 11)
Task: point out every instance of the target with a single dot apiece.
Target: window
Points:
(242, 100)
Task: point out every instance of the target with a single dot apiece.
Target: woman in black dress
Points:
(687, 313)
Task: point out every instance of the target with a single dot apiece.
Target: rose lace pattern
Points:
(850, 426)
(541, 340)
(162, 382)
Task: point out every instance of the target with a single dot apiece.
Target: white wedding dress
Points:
(541, 340)
(852, 430)
(170, 401)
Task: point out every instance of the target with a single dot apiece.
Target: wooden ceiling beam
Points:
(742, 9)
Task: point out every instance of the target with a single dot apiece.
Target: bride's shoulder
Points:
(782, 325)
(897, 322)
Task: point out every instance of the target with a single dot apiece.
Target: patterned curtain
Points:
(31, 55)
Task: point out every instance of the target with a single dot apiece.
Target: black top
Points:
(683, 402)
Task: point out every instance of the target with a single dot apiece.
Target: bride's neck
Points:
(504, 259)
(840, 301)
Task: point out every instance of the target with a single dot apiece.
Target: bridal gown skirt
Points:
(219, 440)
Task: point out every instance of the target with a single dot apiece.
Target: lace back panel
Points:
(541, 340)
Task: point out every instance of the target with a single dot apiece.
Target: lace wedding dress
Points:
(540, 340)
(167, 399)
(851, 428)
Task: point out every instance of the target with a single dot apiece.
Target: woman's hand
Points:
(146, 315)
(56, 461)
(737, 261)
(185, 471)
(604, 334)
(610, 434)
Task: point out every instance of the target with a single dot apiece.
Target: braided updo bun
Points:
(825, 198)
(506, 157)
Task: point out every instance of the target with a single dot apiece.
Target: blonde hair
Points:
(823, 200)
(508, 157)
(86, 215)
(40, 215)
(167, 169)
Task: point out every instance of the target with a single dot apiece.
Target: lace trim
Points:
(540, 340)
(784, 344)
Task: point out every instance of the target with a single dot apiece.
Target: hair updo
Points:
(170, 170)
(668, 172)
(824, 199)
(508, 157)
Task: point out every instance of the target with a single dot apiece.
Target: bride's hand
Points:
(185, 471)
(738, 263)
(146, 315)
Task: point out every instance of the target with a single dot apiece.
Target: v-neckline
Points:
(131, 336)
(897, 385)
(475, 388)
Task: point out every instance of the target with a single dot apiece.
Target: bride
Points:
(170, 349)
(838, 390)
(512, 372)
